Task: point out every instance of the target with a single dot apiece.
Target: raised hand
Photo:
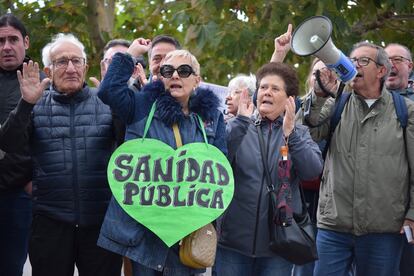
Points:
(139, 47)
(245, 104)
(30, 86)
(289, 119)
(282, 45)
(139, 73)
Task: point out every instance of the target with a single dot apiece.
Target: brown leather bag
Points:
(198, 250)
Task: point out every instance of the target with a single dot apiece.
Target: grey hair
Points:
(243, 81)
(185, 54)
(408, 52)
(381, 58)
(56, 41)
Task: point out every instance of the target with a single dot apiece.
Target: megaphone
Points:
(313, 37)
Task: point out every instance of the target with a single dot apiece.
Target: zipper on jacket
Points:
(260, 194)
(257, 217)
(75, 183)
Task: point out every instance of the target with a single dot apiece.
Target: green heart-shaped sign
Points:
(171, 192)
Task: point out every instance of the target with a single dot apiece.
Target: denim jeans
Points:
(373, 254)
(15, 220)
(173, 266)
(232, 263)
(307, 270)
(303, 270)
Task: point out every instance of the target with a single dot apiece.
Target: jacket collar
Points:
(76, 97)
(203, 102)
(259, 120)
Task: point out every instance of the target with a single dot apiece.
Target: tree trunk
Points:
(101, 14)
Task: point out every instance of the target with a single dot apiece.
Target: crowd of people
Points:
(57, 135)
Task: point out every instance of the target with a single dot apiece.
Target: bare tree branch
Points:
(402, 17)
(363, 26)
(399, 27)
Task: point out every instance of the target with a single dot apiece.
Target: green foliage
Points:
(229, 36)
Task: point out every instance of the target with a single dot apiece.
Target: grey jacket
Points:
(366, 185)
(244, 225)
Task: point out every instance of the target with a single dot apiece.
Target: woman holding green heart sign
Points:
(157, 190)
(244, 228)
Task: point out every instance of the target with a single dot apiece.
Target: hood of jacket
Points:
(202, 102)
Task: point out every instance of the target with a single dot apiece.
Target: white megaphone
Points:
(313, 37)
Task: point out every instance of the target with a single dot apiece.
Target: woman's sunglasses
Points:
(184, 71)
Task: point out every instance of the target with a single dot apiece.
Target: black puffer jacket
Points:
(71, 141)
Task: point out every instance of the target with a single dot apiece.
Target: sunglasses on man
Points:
(184, 71)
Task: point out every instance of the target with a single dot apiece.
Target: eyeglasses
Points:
(398, 59)
(184, 71)
(363, 61)
(63, 62)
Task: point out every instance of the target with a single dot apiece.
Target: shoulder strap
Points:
(402, 113)
(177, 135)
(263, 152)
(335, 118)
(270, 186)
(338, 109)
(401, 109)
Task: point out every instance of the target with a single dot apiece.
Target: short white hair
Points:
(57, 40)
(243, 81)
(185, 54)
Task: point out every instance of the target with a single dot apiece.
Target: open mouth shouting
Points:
(267, 102)
(392, 75)
(175, 86)
(359, 75)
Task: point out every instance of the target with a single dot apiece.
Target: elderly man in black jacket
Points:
(71, 137)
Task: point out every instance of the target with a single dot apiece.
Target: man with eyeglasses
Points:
(402, 66)
(71, 135)
(399, 81)
(365, 184)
